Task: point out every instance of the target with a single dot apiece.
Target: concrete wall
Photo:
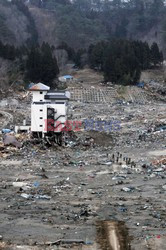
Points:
(39, 96)
(37, 124)
(39, 116)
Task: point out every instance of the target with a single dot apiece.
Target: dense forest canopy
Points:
(122, 61)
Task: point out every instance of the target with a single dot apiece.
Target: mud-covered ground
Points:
(78, 196)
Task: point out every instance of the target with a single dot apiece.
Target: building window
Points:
(41, 100)
(41, 117)
(41, 125)
(41, 110)
(41, 92)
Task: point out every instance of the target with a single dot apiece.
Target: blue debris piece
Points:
(6, 130)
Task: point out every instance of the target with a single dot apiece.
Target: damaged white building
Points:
(48, 110)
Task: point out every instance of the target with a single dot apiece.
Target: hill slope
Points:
(78, 23)
(17, 26)
(82, 22)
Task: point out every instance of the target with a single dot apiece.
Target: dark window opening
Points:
(41, 125)
(41, 92)
(41, 110)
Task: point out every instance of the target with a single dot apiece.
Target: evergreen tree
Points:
(41, 65)
(155, 54)
(161, 57)
(78, 58)
(34, 65)
(122, 61)
(49, 64)
(96, 54)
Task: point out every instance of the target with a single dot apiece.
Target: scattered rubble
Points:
(53, 195)
(11, 140)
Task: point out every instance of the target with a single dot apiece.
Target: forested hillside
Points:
(82, 22)
(132, 32)
(17, 26)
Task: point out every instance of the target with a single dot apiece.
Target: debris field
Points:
(101, 190)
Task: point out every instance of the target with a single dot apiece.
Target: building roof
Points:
(56, 97)
(62, 92)
(39, 87)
